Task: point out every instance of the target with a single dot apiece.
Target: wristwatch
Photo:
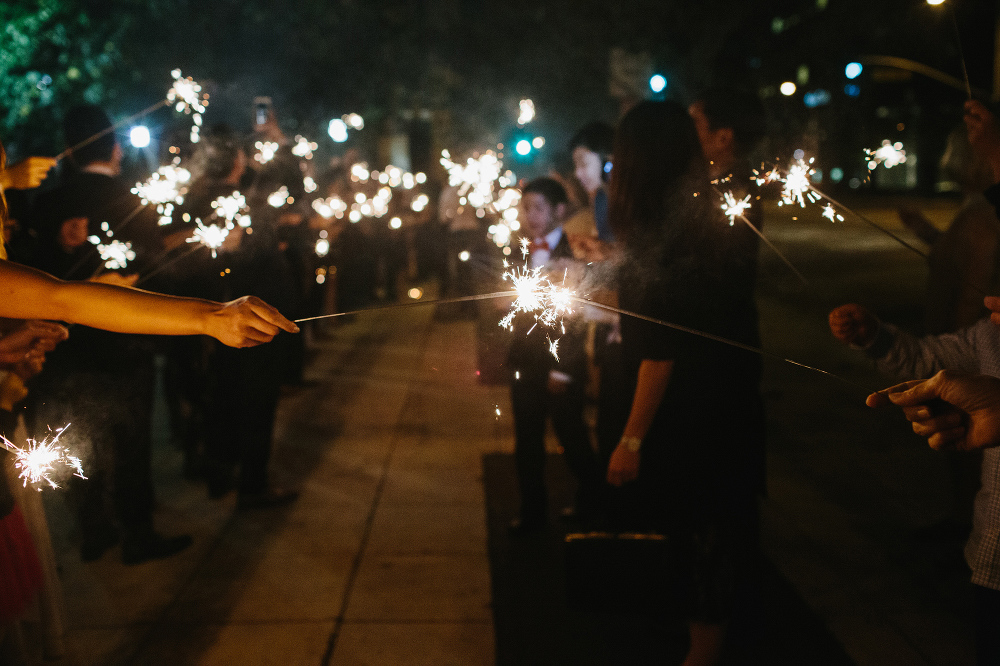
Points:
(633, 444)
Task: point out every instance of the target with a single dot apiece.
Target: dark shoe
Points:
(522, 527)
(97, 542)
(152, 546)
(269, 499)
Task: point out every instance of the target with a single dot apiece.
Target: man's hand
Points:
(26, 174)
(247, 322)
(32, 338)
(993, 304)
(854, 325)
(984, 133)
(950, 410)
(623, 466)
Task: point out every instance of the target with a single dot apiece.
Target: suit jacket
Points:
(101, 199)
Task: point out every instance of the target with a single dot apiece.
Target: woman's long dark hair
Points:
(659, 197)
(656, 155)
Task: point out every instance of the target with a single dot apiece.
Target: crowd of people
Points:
(648, 238)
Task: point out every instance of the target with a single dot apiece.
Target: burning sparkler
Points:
(166, 187)
(115, 254)
(733, 207)
(186, 96)
(266, 150)
(231, 209)
(797, 187)
(537, 295)
(830, 213)
(304, 147)
(40, 460)
(888, 155)
(211, 236)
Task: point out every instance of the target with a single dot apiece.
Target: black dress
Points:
(701, 463)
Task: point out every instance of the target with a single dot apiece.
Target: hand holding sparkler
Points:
(854, 325)
(951, 410)
(247, 322)
(26, 174)
(984, 133)
(31, 338)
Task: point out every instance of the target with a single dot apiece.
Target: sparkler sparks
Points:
(304, 147)
(211, 236)
(231, 209)
(888, 155)
(266, 150)
(38, 461)
(536, 294)
(797, 188)
(114, 254)
(830, 213)
(554, 348)
(733, 207)
(165, 188)
(186, 96)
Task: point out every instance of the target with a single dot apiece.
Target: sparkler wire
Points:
(961, 51)
(718, 338)
(401, 306)
(609, 308)
(771, 245)
(107, 130)
(871, 223)
(174, 259)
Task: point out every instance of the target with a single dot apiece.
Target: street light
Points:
(523, 147)
(138, 136)
(787, 88)
(853, 70)
(657, 83)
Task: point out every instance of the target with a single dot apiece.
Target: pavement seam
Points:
(352, 576)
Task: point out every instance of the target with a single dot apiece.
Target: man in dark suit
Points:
(103, 382)
(545, 384)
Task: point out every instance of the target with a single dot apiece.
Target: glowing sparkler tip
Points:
(733, 207)
(211, 236)
(38, 461)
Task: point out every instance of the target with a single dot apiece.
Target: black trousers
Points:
(245, 386)
(110, 430)
(987, 607)
(532, 405)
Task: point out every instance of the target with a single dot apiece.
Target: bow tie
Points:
(541, 245)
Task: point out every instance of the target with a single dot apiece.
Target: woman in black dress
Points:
(690, 456)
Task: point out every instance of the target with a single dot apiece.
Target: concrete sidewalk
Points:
(382, 560)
